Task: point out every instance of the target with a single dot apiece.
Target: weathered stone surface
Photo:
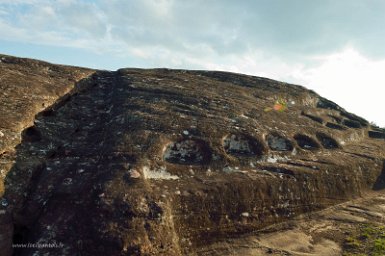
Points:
(238, 144)
(335, 126)
(306, 142)
(187, 151)
(27, 87)
(278, 142)
(327, 141)
(351, 123)
(325, 103)
(377, 134)
(166, 162)
(312, 117)
(354, 117)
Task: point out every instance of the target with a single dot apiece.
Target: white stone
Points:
(245, 214)
(134, 174)
(228, 169)
(67, 181)
(160, 174)
(271, 160)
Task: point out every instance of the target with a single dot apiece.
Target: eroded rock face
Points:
(278, 143)
(187, 151)
(31, 134)
(306, 142)
(27, 87)
(238, 144)
(327, 141)
(167, 162)
(351, 123)
(377, 134)
(335, 126)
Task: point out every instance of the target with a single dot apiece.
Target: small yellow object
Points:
(268, 109)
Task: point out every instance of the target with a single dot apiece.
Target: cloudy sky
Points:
(335, 47)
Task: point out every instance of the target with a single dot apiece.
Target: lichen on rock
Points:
(187, 151)
(278, 143)
(239, 144)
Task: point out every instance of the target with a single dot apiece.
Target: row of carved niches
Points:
(197, 151)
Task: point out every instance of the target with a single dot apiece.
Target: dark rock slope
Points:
(167, 162)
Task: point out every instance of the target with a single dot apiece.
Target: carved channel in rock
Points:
(327, 104)
(312, 117)
(278, 143)
(242, 145)
(188, 151)
(353, 117)
(335, 126)
(380, 182)
(335, 119)
(351, 123)
(31, 134)
(306, 142)
(376, 134)
(279, 170)
(327, 141)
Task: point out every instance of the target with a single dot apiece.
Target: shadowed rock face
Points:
(167, 162)
(306, 142)
(241, 145)
(327, 141)
(187, 151)
(277, 142)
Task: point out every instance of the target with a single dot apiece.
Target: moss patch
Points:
(367, 239)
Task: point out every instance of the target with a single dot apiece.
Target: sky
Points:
(334, 47)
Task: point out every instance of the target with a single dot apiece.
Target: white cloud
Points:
(350, 79)
(18, 2)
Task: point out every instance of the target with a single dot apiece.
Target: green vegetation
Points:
(379, 246)
(352, 242)
(369, 239)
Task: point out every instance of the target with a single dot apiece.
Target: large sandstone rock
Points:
(167, 162)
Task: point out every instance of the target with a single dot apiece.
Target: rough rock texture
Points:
(168, 162)
(352, 228)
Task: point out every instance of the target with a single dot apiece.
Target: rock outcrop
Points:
(167, 162)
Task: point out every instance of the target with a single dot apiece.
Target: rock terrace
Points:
(167, 162)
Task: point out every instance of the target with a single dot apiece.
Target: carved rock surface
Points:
(306, 142)
(238, 144)
(167, 162)
(279, 143)
(187, 151)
